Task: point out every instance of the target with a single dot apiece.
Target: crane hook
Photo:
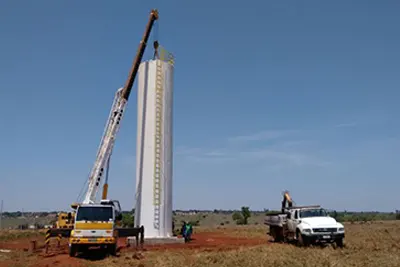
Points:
(155, 45)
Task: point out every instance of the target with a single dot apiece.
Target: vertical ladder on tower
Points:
(157, 143)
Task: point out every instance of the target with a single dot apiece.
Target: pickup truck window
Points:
(313, 213)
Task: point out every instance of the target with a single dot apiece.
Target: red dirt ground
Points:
(207, 241)
(19, 244)
(59, 256)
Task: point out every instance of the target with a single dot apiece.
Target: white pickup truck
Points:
(306, 225)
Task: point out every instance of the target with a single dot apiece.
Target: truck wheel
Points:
(73, 249)
(276, 233)
(339, 243)
(278, 238)
(112, 249)
(301, 240)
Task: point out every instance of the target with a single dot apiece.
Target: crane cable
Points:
(80, 195)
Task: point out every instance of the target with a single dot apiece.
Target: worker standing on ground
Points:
(183, 228)
(187, 231)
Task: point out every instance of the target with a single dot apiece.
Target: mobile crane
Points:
(94, 224)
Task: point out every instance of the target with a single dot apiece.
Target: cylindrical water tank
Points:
(154, 149)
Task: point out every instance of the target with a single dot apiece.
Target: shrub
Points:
(242, 217)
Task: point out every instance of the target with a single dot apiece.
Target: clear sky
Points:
(269, 95)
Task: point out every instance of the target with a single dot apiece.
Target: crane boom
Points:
(114, 119)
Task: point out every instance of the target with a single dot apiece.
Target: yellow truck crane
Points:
(91, 223)
(65, 220)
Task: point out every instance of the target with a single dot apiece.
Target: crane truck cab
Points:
(94, 226)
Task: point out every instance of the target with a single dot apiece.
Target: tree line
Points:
(241, 216)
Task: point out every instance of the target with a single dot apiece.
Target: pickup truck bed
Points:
(278, 219)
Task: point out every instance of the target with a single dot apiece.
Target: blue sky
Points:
(269, 95)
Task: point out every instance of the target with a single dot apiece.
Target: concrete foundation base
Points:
(157, 240)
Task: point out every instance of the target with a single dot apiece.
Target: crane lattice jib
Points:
(106, 146)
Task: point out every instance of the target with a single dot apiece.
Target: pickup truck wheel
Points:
(299, 238)
(276, 233)
(339, 243)
(301, 241)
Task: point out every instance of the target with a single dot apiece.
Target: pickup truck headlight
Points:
(341, 229)
(307, 231)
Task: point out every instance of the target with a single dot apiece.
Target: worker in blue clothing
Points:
(183, 228)
(187, 231)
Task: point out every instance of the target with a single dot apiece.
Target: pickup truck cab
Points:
(305, 225)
